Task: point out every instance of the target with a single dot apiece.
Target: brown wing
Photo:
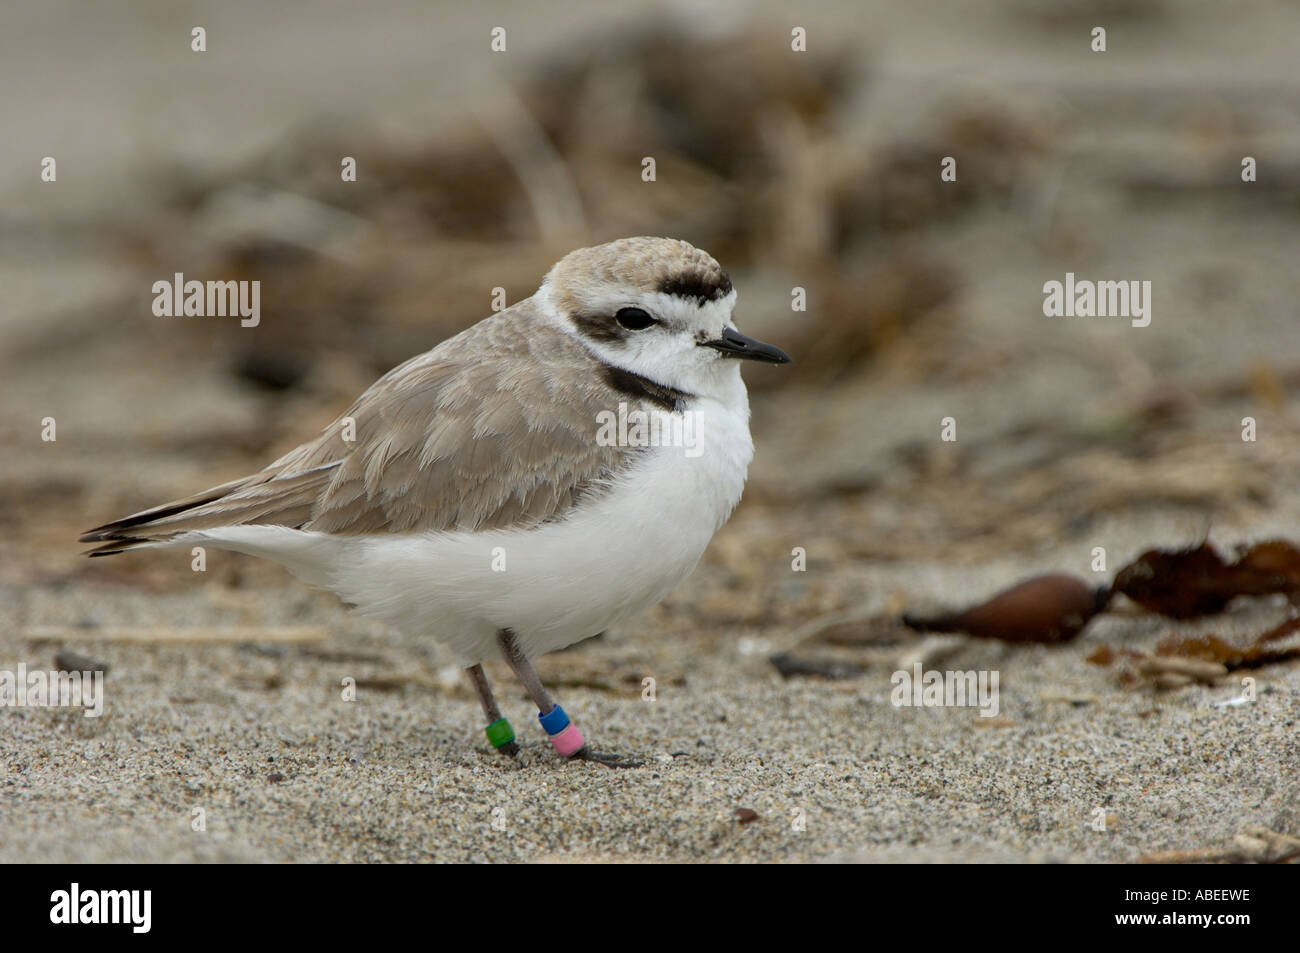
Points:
(493, 428)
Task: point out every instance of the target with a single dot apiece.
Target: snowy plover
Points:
(479, 494)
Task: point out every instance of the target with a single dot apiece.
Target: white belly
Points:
(616, 555)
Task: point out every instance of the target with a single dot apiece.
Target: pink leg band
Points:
(569, 741)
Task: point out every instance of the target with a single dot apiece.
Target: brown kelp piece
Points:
(1212, 648)
(1276, 560)
(1049, 608)
(1181, 584)
(1184, 584)
(1182, 659)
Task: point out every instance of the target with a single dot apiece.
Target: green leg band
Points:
(500, 733)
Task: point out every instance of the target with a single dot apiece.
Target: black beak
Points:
(734, 344)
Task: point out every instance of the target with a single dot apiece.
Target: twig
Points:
(167, 634)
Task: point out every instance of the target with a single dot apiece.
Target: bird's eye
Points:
(634, 319)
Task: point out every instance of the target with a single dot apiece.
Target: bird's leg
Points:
(498, 729)
(564, 734)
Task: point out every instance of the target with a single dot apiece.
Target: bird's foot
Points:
(568, 741)
(502, 736)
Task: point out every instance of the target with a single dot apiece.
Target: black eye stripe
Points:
(634, 319)
(598, 327)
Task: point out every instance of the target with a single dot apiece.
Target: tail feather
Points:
(117, 545)
(114, 529)
(265, 498)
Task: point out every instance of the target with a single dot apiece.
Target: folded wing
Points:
(493, 428)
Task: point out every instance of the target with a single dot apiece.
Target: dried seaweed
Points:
(1048, 608)
(1185, 584)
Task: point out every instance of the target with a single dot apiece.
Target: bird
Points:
(530, 482)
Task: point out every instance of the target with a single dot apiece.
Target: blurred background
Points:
(816, 169)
